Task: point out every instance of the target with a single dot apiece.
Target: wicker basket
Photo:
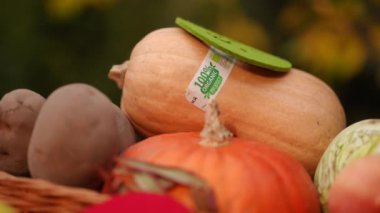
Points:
(32, 195)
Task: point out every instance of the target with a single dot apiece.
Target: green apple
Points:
(355, 141)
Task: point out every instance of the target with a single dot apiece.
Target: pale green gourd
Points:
(356, 141)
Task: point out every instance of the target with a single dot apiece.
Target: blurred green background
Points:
(48, 43)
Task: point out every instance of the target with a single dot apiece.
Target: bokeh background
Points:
(45, 44)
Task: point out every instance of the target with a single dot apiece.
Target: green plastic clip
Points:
(235, 48)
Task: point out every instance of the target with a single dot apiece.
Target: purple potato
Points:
(77, 137)
(18, 112)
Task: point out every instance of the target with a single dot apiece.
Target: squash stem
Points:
(117, 73)
(214, 133)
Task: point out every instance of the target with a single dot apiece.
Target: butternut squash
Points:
(294, 112)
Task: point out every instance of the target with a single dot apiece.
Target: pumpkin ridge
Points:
(193, 153)
(160, 146)
(232, 161)
(289, 185)
(264, 164)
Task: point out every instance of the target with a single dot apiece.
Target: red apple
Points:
(357, 187)
(138, 202)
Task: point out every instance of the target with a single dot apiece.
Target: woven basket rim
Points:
(37, 195)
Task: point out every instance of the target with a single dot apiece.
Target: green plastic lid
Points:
(235, 48)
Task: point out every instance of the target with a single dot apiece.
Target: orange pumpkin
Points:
(246, 176)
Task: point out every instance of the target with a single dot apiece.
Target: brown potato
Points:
(78, 134)
(18, 112)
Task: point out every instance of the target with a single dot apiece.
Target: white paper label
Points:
(209, 79)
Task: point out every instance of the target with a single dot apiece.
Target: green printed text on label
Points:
(209, 78)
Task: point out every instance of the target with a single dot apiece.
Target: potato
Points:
(18, 112)
(78, 134)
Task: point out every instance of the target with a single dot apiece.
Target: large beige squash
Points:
(293, 112)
